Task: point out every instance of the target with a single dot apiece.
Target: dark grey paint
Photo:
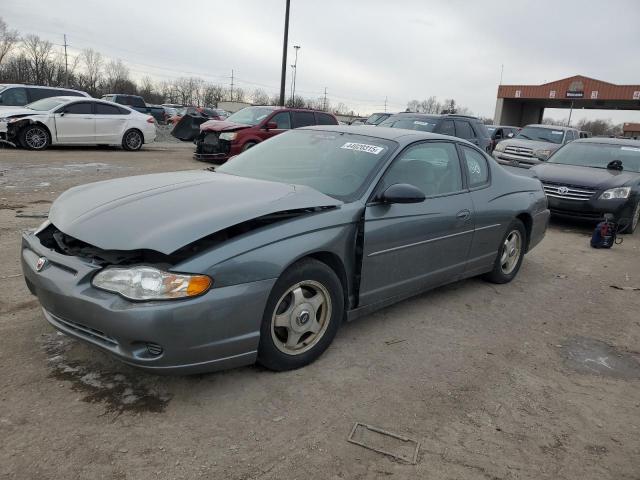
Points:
(406, 248)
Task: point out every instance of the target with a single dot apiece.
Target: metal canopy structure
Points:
(520, 105)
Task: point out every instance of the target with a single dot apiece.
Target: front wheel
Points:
(510, 255)
(132, 140)
(35, 137)
(303, 314)
(248, 145)
(635, 219)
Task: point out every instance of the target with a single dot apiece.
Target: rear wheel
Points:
(510, 255)
(634, 220)
(303, 314)
(35, 137)
(132, 140)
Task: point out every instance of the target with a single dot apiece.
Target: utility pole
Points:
(293, 69)
(385, 104)
(283, 74)
(324, 102)
(232, 84)
(295, 73)
(501, 72)
(66, 63)
(570, 112)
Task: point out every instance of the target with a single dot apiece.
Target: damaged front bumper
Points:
(218, 330)
(210, 148)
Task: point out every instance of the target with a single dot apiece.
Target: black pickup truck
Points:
(137, 103)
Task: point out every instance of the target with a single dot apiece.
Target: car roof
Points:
(433, 115)
(501, 126)
(610, 141)
(554, 127)
(399, 135)
(8, 85)
(291, 109)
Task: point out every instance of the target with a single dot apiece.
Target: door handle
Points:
(463, 214)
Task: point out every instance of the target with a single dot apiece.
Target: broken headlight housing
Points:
(615, 193)
(542, 153)
(150, 283)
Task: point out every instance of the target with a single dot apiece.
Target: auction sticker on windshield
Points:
(362, 147)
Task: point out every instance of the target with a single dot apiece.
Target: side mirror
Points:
(271, 126)
(510, 135)
(402, 193)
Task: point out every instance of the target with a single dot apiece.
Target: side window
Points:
(324, 119)
(105, 109)
(433, 167)
(40, 93)
(282, 119)
(499, 134)
(80, 108)
(476, 165)
(15, 97)
(464, 130)
(447, 128)
(303, 119)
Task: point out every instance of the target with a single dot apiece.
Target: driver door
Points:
(415, 246)
(282, 121)
(75, 123)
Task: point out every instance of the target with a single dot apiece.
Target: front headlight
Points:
(614, 193)
(500, 147)
(149, 283)
(542, 153)
(228, 136)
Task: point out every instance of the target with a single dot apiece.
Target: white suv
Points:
(16, 95)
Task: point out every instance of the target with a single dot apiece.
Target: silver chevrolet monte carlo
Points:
(263, 259)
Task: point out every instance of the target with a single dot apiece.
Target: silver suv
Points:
(533, 145)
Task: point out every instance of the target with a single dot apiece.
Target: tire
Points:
(634, 220)
(132, 140)
(248, 145)
(35, 137)
(308, 303)
(507, 265)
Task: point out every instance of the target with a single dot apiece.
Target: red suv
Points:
(220, 140)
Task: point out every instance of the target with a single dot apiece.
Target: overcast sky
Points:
(360, 50)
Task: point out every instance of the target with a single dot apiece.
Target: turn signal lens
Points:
(149, 283)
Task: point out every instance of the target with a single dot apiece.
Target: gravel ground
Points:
(537, 379)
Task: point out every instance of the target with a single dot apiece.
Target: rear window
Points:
(105, 109)
(40, 93)
(325, 119)
(422, 124)
(303, 119)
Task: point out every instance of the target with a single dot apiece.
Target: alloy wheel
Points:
(511, 251)
(133, 140)
(301, 317)
(35, 138)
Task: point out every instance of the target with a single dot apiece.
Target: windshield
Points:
(250, 115)
(337, 164)
(598, 155)
(376, 118)
(2, 87)
(45, 104)
(423, 124)
(541, 134)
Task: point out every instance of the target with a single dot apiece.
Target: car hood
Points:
(17, 111)
(535, 144)
(166, 211)
(222, 126)
(597, 178)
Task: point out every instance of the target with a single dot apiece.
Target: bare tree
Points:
(260, 97)
(8, 39)
(39, 54)
(93, 64)
(116, 78)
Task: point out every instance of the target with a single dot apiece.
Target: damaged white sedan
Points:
(76, 121)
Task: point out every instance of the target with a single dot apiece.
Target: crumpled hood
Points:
(13, 111)
(166, 211)
(596, 178)
(221, 126)
(523, 142)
